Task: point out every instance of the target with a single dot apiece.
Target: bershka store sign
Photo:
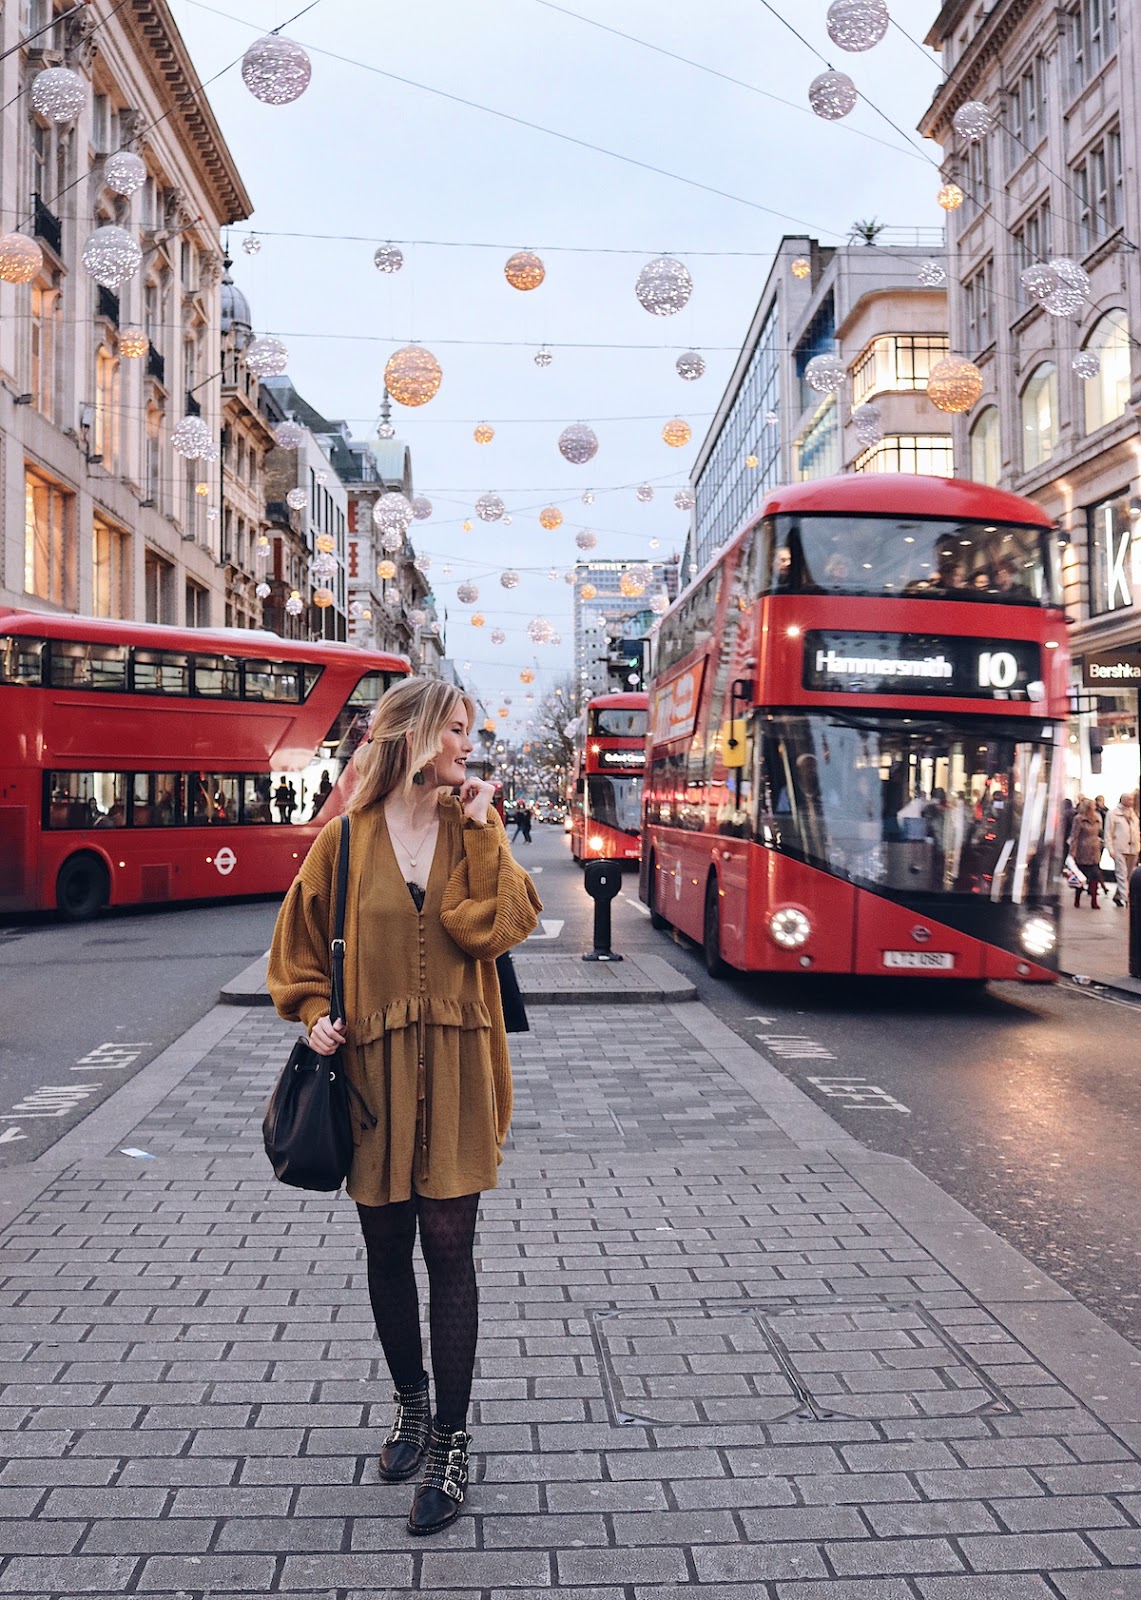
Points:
(919, 664)
(1112, 669)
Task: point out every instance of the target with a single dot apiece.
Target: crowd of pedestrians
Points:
(1091, 830)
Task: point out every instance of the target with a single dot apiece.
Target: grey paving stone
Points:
(67, 1574)
(887, 1556)
(184, 1536)
(208, 1573)
(754, 1564)
(1025, 1552)
(488, 1569)
(620, 1566)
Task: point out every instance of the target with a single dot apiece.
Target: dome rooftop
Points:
(235, 307)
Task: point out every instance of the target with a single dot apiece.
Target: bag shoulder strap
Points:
(337, 997)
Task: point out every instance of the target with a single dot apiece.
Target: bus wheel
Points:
(82, 888)
(656, 918)
(715, 965)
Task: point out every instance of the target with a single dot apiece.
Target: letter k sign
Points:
(1118, 550)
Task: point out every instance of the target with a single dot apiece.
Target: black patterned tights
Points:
(447, 1233)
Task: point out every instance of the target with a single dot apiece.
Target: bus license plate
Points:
(928, 960)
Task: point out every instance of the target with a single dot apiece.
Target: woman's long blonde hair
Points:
(389, 759)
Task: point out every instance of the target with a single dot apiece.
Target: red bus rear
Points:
(606, 795)
(142, 763)
(855, 749)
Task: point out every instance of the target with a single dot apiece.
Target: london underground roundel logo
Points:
(225, 861)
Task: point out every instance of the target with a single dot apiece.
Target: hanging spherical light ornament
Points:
(262, 590)
(20, 258)
(125, 172)
(422, 562)
(202, 490)
(421, 507)
(690, 365)
(467, 593)
(498, 636)
(251, 244)
(297, 499)
(660, 604)
(932, 275)
(391, 596)
(825, 373)
(386, 569)
(263, 545)
(276, 70)
(524, 270)
(478, 619)
(393, 510)
(322, 476)
(543, 357)
(578, 444)
(506, 521)
(587, 497)
(356, 610)
(677, 433)
(1039, 281)
(289, 435)
(322, 568)
(539, 630)
(388, 258)
(950, 197)
(59, 94)
(550, 518)
(801, 267)
(483, 433)
(504, 711)
(417, 617)
(295, 605)
(190, 438)
(1073, 286)
(654, 544)
(392, 540)
(466, 525)
(385, 430)
(210, 451)
(111, 256)
(323, 596)
(412, 375)
(684, 499)
(133, 343)
(857, 25)
(586, 540)
(663, 286)
(832, 95)
(1087, 364)
(644, 493)
(509, 579)
(324, 542)
(489, 508)
(588, 591)
(771, 419)
(752, 462)
(630, 586)
(868, 423)
(954, 384)
(973, 121)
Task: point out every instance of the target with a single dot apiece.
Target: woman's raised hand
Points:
(327, 1036)
(476, 797)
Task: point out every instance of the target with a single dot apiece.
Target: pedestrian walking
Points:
(1086, 842)
(281, 800)
(522, 820)
(1123, 840)
(433, 898)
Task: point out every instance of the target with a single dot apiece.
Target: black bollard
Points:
(1135, 923)
(603, 881)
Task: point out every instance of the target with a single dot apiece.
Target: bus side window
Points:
(86, 800)
(22, 660)
(271, 680)
(160, 672)
(213, 798)
(76, 665)
(257, 788)
(216, 676)
(155, 799)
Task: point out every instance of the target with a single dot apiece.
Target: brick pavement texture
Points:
(708, 1358)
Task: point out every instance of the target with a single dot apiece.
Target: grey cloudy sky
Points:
(370, 151)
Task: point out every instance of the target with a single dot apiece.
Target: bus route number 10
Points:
(998, 669)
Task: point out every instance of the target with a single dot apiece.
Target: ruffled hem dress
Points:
(426, 1043)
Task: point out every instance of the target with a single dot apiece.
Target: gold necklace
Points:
(403, 843)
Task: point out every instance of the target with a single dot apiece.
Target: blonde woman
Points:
(434, 897)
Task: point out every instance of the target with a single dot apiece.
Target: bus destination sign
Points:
(919, 664)
(621, 760)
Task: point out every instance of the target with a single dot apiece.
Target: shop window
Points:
(49, 541)
(158, 576)
(986, 448)
(1106, 396)
(111, 568)
(1040, 416)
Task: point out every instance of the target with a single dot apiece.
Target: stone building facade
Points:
(99, 515)
(247, 438)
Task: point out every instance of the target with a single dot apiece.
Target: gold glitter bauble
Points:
(386, 569)
(322, 597)
(801, 267)
(954, 384)
(483, 433)
(133, 343)
(588, 591)
(524, 270)
(677, 433)
(413, 376)
(950, 197)
(550, 518)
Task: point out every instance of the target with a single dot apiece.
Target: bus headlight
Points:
(1038, 936)
(596, 841)
(790, 928)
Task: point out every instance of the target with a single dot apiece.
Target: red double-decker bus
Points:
(855, 748)
(142, 763)
(606, 791)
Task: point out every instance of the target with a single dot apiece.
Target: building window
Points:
(111, 568)
(49, 541)
(1033, 240)
(1096, 182)
(986, 449)
(154, 452)
(197, 605)
(1093, 39)
(1106, 397)
(896, 361)
(1114, 543)
(931, 454)
(977, 183)
(1040, 416)
(818, 339)
(818, 450)
(105, 442)
(1026, 111)
(728, 491)
(978, 306)
(158, 577)
(46, 321)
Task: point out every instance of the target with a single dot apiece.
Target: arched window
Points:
(1040, 416)
(1107, 395)
(986, 454)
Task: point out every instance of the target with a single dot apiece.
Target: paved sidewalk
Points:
(1095, 944)
(723, 1345)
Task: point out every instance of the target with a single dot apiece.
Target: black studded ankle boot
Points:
(440, 1492)
(405, 1446)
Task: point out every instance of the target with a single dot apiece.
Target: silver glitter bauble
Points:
(856, 25)
(392, 595)
(266, 357)
(289, 436)
(1073, 286)
(663, 286)
(684, 499)
(251, 244)
(297, 499)
(1039, 281)
(771, 419)
(932, 275)
(295, 605)
(322, 567)
(825, 373)
(498, 636)
(587, 497)
(868, 423)
(539, 630)
(586, 540)
(578, 444)
(393, 510)
(543, 357)
(832, 95)
(190, 438)
(1087, 364)
(660, 604)
(421, 507)
(973, 121)
(422, 562)
(392, 540)
(467, 593)
(125, 172)
(417, 617)
(210, 452)
(690, 365)
(59, 94)
(570, 576)
(385, 430)
(262, 590)
(509, 579)
(489, 508)
(644, 493)
(276, 70)
(388, 258)
(111, 256)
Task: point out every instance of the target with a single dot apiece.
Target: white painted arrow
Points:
(10, 1135)
(551, 929)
